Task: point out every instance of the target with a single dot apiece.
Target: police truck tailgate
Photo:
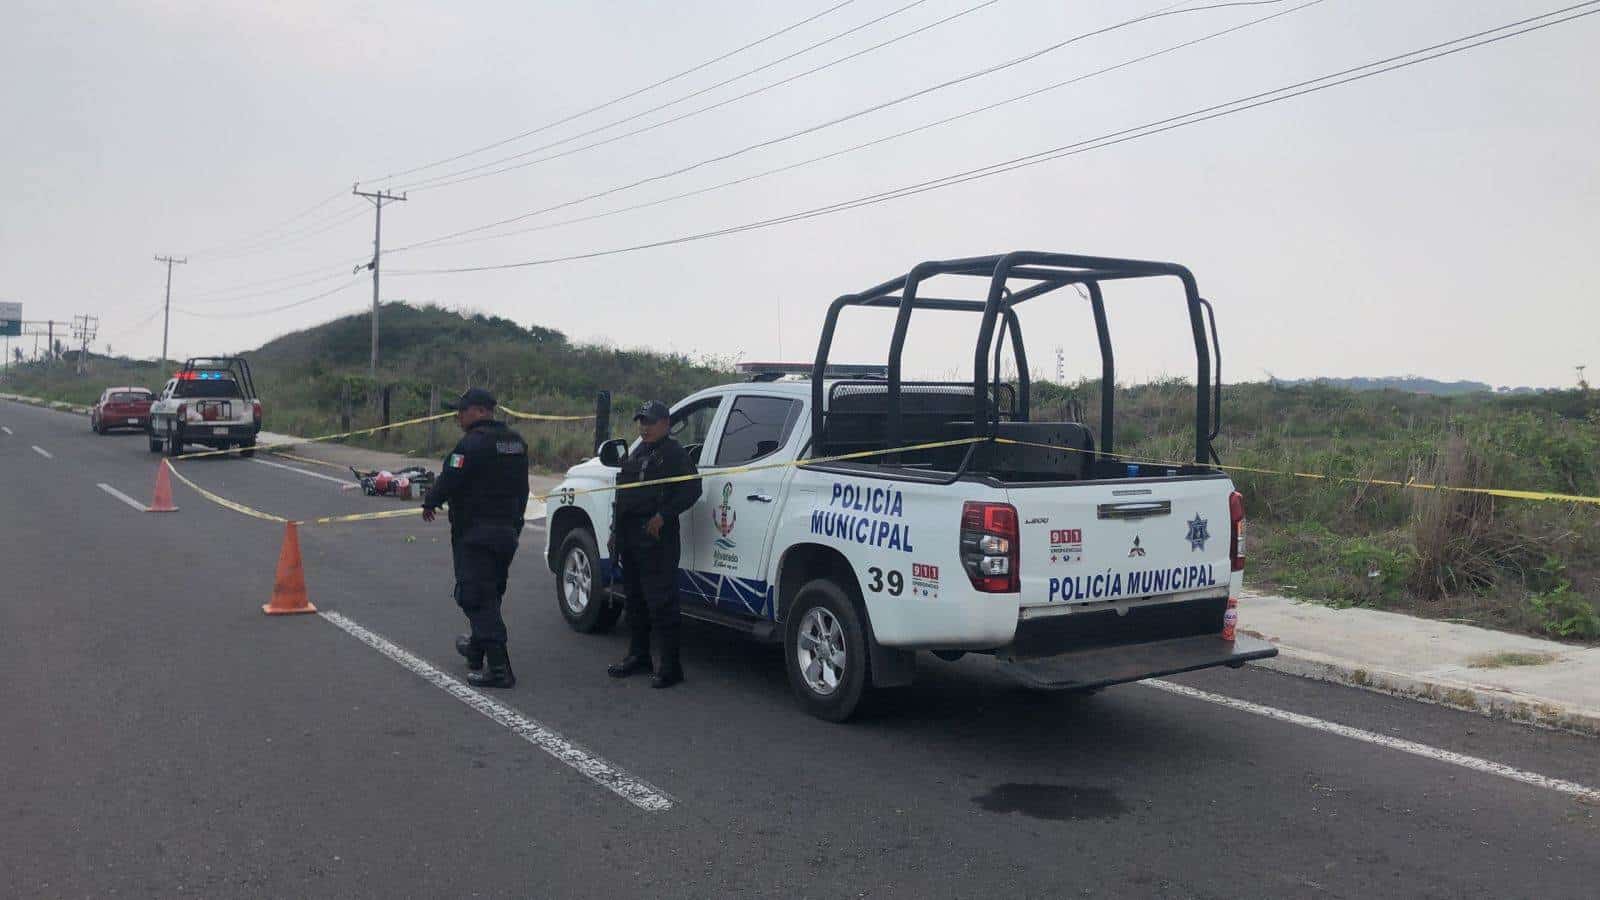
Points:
(1123, 540)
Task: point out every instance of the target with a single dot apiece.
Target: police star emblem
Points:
(1199, 533)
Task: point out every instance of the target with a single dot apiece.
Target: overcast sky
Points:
(1441, 220)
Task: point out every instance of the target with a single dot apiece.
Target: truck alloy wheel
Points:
(580, 585)
(825, 645)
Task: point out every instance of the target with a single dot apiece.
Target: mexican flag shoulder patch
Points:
(455, 461)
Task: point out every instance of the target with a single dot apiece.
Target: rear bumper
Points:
(209, 436)
(1101, 666)
(112, 423)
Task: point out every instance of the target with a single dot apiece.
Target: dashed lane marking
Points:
(6, 430)
(42, 452)
(630, 788)
(123, 497)
(299, 471)
(1476, 764)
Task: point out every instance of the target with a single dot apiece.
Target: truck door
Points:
(733, 518)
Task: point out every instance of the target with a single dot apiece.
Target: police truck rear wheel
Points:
(580, 585)
(825, 647)
(247, 449)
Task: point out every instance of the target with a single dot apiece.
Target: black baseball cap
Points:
(652, 411)
(472, 397)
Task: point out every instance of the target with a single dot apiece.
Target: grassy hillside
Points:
(1517, 565)
(303, 377)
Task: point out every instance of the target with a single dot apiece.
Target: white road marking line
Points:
(123, 497)
(42, 452)
(301, 471)
(1474, 763)
(6, 430)
(636, 791)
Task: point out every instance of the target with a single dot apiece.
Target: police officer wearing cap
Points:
(485, 484)
(645, 532)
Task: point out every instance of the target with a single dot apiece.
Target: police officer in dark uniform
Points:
(485, 484)
(645, 532)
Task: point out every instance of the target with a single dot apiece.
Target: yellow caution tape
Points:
(408, 512)
(306, 459)
(542, 417)
(222, 501)
(785, 464)
(864, 454)
(1342, 479)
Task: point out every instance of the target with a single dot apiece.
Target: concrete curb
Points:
(46, 404)
(1485, 700)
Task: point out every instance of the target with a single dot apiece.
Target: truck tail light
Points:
(255, 410)
(990, 550)
(1236, 542)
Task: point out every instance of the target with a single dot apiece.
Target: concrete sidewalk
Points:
(1497, 674)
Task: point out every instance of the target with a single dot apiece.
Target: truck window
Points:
(222, 388)
(692, 425)
(757, 426)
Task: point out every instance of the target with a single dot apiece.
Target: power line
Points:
(275, 309)
(1242, 104)
(323, 269)
(344, 217)
(618, 99)
(251, 236)
(211, 300)
(450, 178)
(763, 144)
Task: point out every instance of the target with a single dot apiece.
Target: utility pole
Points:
(84, 328)
(166, 311)
(378, 199)
(50, 340)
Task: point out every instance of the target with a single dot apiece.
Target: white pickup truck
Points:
(211, 402)
(1031, 541)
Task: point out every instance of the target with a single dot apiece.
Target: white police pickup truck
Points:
(212, 402)
(953, 523)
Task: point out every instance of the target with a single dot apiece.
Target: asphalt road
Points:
(161, 737)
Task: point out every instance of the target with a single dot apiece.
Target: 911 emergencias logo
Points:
(1066, 545)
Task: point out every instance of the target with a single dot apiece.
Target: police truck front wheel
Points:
(825, 644)
(174, 442)
(581, 587)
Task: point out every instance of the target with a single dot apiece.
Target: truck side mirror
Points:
(613, 452)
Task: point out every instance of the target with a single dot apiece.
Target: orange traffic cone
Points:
(162, 501)
(289, 587)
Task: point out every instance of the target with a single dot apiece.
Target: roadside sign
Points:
(11, 319)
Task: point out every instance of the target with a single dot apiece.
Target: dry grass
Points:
(1505, 660)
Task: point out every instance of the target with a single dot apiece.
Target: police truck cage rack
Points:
(888, 412)
(218, 368)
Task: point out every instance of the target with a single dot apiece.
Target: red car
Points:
(121, 407)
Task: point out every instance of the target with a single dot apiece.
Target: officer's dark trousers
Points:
(650, 577)
(482, 555)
